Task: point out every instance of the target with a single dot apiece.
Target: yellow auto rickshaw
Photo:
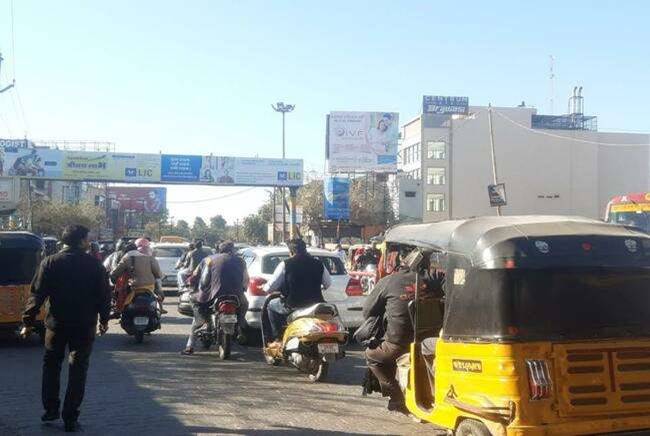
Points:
(546, 326)
(20, 255)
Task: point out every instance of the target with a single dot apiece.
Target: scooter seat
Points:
(319, 310)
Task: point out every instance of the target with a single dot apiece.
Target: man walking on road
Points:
(76, 285)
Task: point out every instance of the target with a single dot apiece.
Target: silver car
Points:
(345, 292)
(168, 255)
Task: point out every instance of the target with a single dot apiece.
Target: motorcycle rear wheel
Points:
(320, 372)
(139, 337)
(225, 343)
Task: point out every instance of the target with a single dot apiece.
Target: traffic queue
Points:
(484, 326)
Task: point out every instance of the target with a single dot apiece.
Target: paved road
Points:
(151, 389)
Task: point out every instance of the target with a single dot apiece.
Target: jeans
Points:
(80, 342)
(181, 276)
(278, 313)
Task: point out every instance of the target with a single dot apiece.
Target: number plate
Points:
(228, 318)
(140, 320)
(328, 348)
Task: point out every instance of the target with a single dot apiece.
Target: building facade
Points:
(549, 164)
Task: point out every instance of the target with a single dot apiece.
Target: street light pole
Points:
(495, 176)
(282, 108)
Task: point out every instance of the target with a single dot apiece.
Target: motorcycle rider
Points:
(299, 279)
(192, 261)
(110, 263)
(389, 301)
(221, 275)
(142, 268)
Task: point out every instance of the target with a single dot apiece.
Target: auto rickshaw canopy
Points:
(521, 278)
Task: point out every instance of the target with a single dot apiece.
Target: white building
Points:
(549, 164)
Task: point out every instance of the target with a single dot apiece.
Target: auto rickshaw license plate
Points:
(140, 320)
(328, 348)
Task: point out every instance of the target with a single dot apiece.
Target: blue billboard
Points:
(337, 198)
(177, 168)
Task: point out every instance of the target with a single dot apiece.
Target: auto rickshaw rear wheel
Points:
(471, 427)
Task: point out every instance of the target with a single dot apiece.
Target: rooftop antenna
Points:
(551, 79)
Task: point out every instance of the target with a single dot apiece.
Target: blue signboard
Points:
(177, 168)
(440, 104)
(337, 198)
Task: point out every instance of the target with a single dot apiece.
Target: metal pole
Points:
(284, 209)
(495, 177)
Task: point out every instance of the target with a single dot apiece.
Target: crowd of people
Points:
(82, 292)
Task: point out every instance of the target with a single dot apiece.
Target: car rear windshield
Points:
(333, 264)
(18, 266)
(168, 252)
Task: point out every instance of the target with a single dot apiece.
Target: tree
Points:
(199, 229)
(310, 198)
(254, 229)
(51, 218)
(182, 228)
(218, 223)
(370, 201)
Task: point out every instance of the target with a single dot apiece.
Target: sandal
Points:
(187, 352)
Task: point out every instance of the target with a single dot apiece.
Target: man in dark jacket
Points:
(192, 261)
(222, 274)
(299, 279)
(76, 285)
(390, 299)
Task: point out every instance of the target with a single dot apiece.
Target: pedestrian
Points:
(76, 285)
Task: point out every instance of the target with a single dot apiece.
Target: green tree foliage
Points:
(370, 202)
(254, 229)
(310, 198)
(51, 218)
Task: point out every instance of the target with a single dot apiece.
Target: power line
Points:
(213, 198)
(22, 111)
(6, 123)
(584, 141)
(13, 41)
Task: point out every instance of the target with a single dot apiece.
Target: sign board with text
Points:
(440, 104)
(497, 194)
(337, 198)
(54, 164)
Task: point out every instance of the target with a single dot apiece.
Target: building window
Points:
(436, 150)
(418, 175)
(435, 202)
(436, 176)
(409, 194)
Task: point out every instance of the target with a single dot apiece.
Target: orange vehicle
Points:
(630, 210)
(20, 255)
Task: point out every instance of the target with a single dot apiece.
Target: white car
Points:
(345, 292)
(167, 255)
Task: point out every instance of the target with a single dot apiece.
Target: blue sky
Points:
(199, 76)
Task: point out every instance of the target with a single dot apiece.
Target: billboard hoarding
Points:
(30, 162)
(236, 171)
(147, 200)
(362, 141)
(337, 198)
(124, 167)
(9, 193)
(440, 104)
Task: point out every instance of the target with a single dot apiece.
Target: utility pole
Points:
(11, 85)
(495, 177)
(283, 109)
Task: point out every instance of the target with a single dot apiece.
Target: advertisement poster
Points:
(337, 198)
(30, 162)
(177, 168)
(221, 170)
(148, 200)
(362, 141)
(85, 165)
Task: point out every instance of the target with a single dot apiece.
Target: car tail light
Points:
(227, 308)
(539, 379)
(354, 289)
(256, 286)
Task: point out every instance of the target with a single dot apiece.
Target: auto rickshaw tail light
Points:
(539, 379)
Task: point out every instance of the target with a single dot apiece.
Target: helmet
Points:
(143, 245)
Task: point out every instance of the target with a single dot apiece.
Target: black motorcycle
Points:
(141, 316)
(221, 325)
